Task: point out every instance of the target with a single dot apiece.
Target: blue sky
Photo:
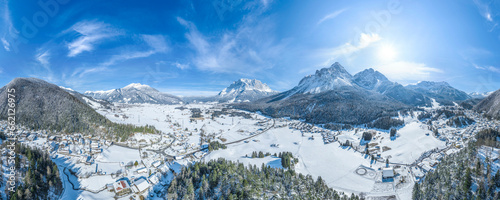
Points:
(200, 47)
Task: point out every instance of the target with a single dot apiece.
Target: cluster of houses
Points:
(143, 180)
(327, 135)
(125, 186)
(75, 144)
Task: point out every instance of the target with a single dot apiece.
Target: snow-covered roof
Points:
(141, 184)
(120, 185)
(387, 172)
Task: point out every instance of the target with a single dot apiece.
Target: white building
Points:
(141, 184)
(155, 164)
(388, 173)
(142, 170)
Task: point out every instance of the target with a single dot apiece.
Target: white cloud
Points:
(91, 33)
(265, 3)
(488, 68)
(342, 53)
(484, 10)
(241, 51)
(156, 43)
(6, 44)
(1, 70)
(81, 72)
(349, 48)
(7, 26)
(331, 16)
(43, 58)
(407, 72)
(181, 66)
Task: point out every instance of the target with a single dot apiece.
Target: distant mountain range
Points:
(375, 81)
(245, 90)
(331, 95)
(480, 95)
(135, 93)
(441, 91)
(490, 105)
(242, 90)
(334, 95)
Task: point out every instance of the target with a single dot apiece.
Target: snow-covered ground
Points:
(411, 153)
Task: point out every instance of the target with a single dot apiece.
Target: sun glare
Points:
(387, 52)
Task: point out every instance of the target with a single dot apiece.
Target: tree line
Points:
(222, 179)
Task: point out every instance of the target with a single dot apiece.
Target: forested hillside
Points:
(222, 179)
(471, 173)
(44, 106)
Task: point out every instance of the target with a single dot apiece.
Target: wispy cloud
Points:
(7, 26)
(181, 66)
(484, 9)
(487, 13)
(43, 58)
(239, 51)
(156, 43)
(407, 72)
(488, 68)
(331, 16)
(81, 72)
(346, 50)
(91, 33)
(365, 40)
(5, 44)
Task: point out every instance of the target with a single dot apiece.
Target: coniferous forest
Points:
(38, 176)
(222, 179)
(465, 174)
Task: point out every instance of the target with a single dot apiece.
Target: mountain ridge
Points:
(134, 93)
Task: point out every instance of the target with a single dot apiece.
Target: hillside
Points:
(135, 93)
(44, 106)
(221, 179)
(472, 173)
(442, 92)
(329, 96)
(490, 105)
(376, 81)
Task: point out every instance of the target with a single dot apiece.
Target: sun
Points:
(387, 52)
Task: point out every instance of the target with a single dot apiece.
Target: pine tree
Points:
(467, 182)
(416, 192)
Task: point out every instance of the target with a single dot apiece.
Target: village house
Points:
(121, 187)
(387, 173)
(141, 184)
(141, 170)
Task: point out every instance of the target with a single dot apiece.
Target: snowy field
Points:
(319, 151)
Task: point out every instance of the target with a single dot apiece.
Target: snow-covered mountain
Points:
(329, 96)
(441, 91)
(94, 103)
(490, 105)
(245, 90)
(135, 93)
(325, 79)
(371, 79)
(479, 94)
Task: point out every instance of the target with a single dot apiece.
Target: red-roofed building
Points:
(121, 187)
